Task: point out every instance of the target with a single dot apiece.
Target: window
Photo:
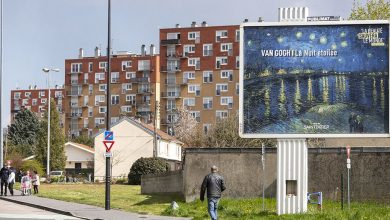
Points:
(237, 88)
(102, 109)
(193, 61)
(221, 88)
(226, 74)
(114, 77)
(90, 88)
(195, 115)
(220, 61)
(143, 65)
(99, 77)
(220, 34)
(102, 65)
(206, 128)
(226, 101)
(17, 95)
(207, 49)
(58, 94)
(237, 35)
(130, 75)
(27, 94)
(193, 88)
(171, 36)
(193, 35)
(99, 121)
(131, 99)
(99, 98)
(115, 100)
(90, 111)
(221, 114)
(90, 67)
(171, 104)
(41, 94)
(226, 47)
(102, 87)
(207, 76)
(126, 64)
(188, 49)
(76, 67)
(237, 62)
(189, 102)
(189, 75)
(34, 102)
(126, 108)
(43, 101)
(41, 108)
(25, 102)
(127, 86)
(207, 102)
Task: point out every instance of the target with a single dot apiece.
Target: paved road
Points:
(11, 210)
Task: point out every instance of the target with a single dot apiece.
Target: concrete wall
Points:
(170, 182)
(242, 170)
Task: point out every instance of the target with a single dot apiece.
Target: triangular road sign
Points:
(108, 145)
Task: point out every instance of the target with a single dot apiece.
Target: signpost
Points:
(348, 168)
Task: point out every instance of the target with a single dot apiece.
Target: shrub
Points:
(32, 165)
(146, 166)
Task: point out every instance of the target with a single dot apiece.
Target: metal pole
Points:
(155, 129)
(1, 88)
(263, 165)
(349, 198)
(48, 127)
(342, 192)
(108, 122)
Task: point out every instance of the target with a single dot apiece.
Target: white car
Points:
(56, 173)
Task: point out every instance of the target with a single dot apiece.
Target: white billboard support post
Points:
(348, 175)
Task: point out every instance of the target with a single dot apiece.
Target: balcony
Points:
(115, 80)
(85, 82)
(207, 53)
(170, 107)
(74, 82)
(73, 93)
(170, 68)
(166, 122)
(74, 115)
(144, 90)
(170, 41)
(140, 80)
(170, 95)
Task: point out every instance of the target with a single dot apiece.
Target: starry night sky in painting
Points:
(353, 55)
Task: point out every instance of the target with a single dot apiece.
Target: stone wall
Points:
(170, 182)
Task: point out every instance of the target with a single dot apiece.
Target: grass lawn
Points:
(128, 198)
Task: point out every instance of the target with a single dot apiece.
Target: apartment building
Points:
(36, 100)
(134, 84)
(199, 71)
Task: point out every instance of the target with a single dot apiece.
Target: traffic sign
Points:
(108, 145)
(108, 154)
(109, 135)
(348, 151)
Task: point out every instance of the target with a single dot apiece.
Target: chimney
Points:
(143, 50)
(81, 53)
(152, 50)
(97, 52)
(260, 19)
(246, 20)
(177, 25)
(204, 24)
(193, 24)
(35, 87)
(30, 87)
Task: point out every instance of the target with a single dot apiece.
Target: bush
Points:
(146, 166)
(32, 165)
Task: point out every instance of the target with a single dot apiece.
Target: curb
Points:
(58, 211)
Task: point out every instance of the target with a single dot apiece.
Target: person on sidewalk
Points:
(11, 180)
(4, 179)
(214, 184)
(36, 182)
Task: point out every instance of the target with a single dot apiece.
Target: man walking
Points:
(214, 184)
(4, 173)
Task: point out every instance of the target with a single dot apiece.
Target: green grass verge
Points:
(129, 198)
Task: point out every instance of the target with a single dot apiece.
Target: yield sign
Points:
(108, 145)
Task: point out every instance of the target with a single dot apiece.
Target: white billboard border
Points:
(241, 79)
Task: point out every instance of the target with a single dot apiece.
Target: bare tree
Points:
(187, 128)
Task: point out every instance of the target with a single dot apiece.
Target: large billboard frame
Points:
(299, 135)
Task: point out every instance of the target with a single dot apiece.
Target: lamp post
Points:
(47, 70)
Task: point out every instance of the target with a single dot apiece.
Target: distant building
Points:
(79, 158)
(134, 84)
(134, 140)
(199, 71)
(36, 100)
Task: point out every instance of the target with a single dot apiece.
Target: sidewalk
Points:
(80, 210)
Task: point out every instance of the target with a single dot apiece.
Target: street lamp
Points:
(47, 70)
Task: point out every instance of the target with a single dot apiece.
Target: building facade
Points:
(199, 71)
(134, 84)
(36, 100)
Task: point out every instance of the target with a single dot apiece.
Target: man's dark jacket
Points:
(4, 173)
(214, 184)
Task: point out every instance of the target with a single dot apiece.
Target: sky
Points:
(43, 33)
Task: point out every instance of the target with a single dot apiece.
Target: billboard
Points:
(315, 79)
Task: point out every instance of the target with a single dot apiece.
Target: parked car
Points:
(56, 173)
